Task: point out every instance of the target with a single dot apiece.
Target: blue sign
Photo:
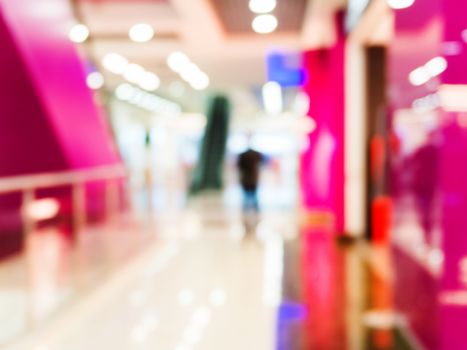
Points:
(285, 69)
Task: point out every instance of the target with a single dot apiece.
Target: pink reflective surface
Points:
(40, 30)
(324, 289)
(429, 175)
(322, 164)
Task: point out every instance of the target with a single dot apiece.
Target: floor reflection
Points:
(145, 285)
(323, 277)
(48, 255)
(53, 270)
(342, 298)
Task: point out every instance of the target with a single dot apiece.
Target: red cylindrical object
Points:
(381, 218)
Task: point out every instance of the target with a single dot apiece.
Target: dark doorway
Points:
(376, 119)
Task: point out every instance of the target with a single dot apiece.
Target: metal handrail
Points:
(72, 177)
(28, 184)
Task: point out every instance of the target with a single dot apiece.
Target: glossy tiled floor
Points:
(190, 278)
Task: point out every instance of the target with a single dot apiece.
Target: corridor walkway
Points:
(190, 279)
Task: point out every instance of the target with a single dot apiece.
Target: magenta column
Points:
(429, 173)
(49, 118)
(322, 164)
(453, 176)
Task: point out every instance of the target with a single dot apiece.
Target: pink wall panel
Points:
(429, 182)
(27, 138)
(49, 120)
(40, 29)
(322, 164)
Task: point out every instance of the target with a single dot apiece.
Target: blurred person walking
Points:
(249, 164)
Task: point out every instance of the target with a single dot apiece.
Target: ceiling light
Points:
(115, 63)
(95, 80)
(200, 81)
(138, 97)
(307, 125)
(301, 104)
(133, 95)
(264, 24)
(177, 61)
(431, 69)
(400, 4)
(79, 33)
(141, 33)
(452, 98)
(436, 66)
(149, 81)
(419, 76)
(124, 92)
(134, 73)
(262, 6)
(272, 97)
(190, 72)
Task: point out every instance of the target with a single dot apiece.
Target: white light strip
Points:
(262, 6)
(150, 102)
(453, 98)
(188, 71)
(272, 98)
(264, 24)
(79, 33)
(131, 72)
(141, 33)
(419, 76)
(115, 63)
(431, 69)
(426, 103)
(400, 4)
(436, 66)
(95, 80)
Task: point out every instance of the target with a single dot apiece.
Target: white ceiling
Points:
(233, 63)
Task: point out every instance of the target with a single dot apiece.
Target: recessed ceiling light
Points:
(431, 69)
(125, 92)
(178, 61)
(200, 81)
(149, 81)
(79, 33)
(115, 63)
(419, 76)
(95, 80)
(190, 72)
(436, 66)
(272, 97)
(262, 6)
(264, 24)
(400, 4)
(141, 33)
(134, 73)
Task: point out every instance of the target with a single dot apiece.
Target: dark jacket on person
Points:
(249, 163)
